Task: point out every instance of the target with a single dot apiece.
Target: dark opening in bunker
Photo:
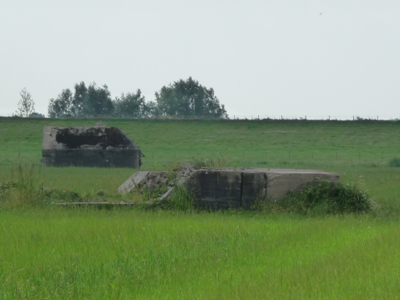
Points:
(104, 137)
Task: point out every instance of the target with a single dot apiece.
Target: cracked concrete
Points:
(232, 188)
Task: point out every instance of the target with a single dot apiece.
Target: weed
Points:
(173, 170)
(23, 187)
(198, 163)
(180, 200)
(61, 195)
(218, 163)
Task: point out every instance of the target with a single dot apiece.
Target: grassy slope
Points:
(359, 151)
(251, 142)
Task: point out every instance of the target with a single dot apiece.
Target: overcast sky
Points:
(293, 58)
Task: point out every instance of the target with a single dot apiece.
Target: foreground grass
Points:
(55, 253)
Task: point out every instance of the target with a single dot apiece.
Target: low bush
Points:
(323, 198)
(395, 162)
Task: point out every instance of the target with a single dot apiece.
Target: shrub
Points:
(395, 162)
(324, 198)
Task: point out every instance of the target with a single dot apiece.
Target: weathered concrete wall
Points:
(144, 180)
(216, 189)
(89, 146)
(280, 181)
(230, 188)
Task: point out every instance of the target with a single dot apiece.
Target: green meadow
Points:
(58, 253)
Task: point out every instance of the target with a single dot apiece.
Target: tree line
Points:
(183, 98)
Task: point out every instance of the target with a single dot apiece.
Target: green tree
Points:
(98, 101)
(62, 106)
(26, 105)
(80, 99)
(189, 98)
(91, 101)
(131, 105)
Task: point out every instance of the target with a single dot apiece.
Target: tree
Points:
(131, 105)
(26, 105)
(85, 101)
(98, 101)
(189, 98)
(79, 100)
(62, 106)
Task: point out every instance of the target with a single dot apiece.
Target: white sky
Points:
(267, 58)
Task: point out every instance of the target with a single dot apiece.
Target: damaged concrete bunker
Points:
(97, 146)
(230, 188)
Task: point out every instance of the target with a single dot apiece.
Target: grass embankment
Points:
(248, 143)
(359, 151)
(56, 253)
(77, 254)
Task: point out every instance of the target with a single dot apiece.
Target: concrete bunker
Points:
(98, 146)
(230, 188)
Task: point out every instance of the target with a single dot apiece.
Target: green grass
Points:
(57, 253)
(151, 255)
(359, 151)
(252, 143)
(333, 146)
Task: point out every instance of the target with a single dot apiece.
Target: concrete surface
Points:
(144, 179)
(239, 188)
(89, 146)
(216, 189)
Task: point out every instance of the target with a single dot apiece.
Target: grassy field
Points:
(137, 254)
(90, 254)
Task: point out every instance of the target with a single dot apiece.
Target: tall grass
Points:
(26, 185)
(151, 255)
(23, 187)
